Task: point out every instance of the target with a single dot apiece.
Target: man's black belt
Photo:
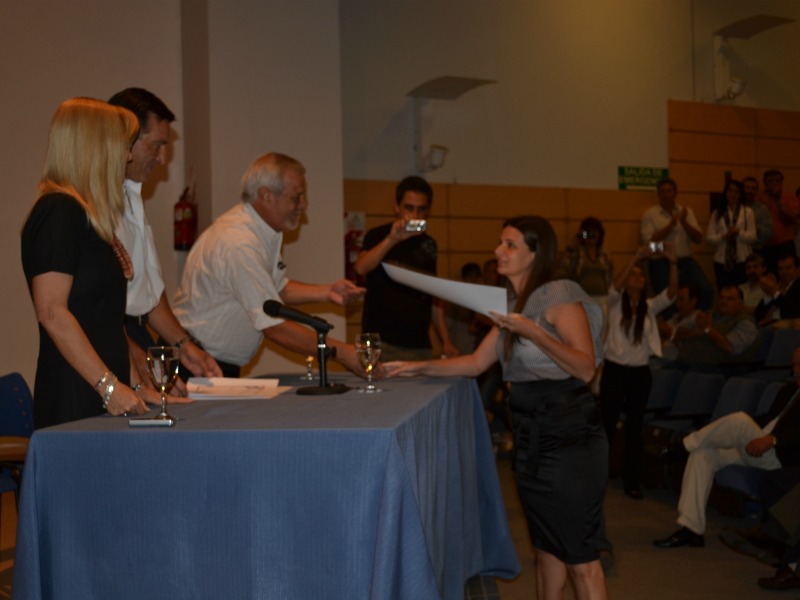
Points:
(141, 320)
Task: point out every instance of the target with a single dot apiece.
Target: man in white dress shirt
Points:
(236, 266)
(670, 222)
(147, 302)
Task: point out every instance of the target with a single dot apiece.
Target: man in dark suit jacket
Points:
(769, 441)
(781, 299)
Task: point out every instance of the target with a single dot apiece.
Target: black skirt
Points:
(561, 466)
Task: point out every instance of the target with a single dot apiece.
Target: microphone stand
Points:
(323, 389)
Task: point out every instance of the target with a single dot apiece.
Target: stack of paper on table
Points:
(230, 388)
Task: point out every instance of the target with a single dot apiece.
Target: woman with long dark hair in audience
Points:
(732, 229)
(632, 339)
(76, 269)
(549, 345)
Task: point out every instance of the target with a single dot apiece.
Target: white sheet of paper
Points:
(230, 388)
(480, 298)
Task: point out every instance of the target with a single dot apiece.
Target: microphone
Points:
(275, 309)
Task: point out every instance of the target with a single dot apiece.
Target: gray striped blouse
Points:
(528, 362)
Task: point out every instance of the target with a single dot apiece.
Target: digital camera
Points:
(416, 225)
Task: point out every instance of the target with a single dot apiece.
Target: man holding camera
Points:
(669, 222)
(400, 314)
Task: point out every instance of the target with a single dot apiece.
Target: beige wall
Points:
(580, 84)
(581, 88)
(222, 67)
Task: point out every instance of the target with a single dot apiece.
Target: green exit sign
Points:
(640, 178)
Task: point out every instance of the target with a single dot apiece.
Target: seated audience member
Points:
(784, 210)
(459, 319)
(752, 291)
(723, 338)
(732, 230)
(782, 296)
(760, 211)
(684, 317)
(670, 222)
(770, 441)
(236, 265)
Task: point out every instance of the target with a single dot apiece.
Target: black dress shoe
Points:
(753, 542)
(784, 579)
(635, 493)
(682, 537)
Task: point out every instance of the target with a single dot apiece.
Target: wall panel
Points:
(710, 118)
(699, 147)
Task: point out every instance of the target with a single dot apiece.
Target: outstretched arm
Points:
(341, 292)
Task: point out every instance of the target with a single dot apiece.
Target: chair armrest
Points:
(13, 448)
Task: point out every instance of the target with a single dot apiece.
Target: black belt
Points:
(141, 320)
(526, 424)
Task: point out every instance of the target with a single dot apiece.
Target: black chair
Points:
(694, 403)
(739, 394)
(16, 428)
(778, 359)
(663, 392)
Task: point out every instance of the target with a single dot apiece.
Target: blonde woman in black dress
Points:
(77, 270)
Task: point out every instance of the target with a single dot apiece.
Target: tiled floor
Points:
(643, 571)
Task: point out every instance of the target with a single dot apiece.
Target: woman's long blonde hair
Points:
(90, 141)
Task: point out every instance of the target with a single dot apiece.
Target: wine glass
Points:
(163, 363)
(368, 348)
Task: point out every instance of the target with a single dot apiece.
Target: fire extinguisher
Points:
(185, 224)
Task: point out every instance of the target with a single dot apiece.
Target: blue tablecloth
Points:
(384, 496)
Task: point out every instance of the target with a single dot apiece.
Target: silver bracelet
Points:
(100, 382)
(112, 383)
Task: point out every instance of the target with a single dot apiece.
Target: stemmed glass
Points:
(368, 348)
(163, 363)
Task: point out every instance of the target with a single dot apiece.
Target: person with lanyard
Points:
(732, 229)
